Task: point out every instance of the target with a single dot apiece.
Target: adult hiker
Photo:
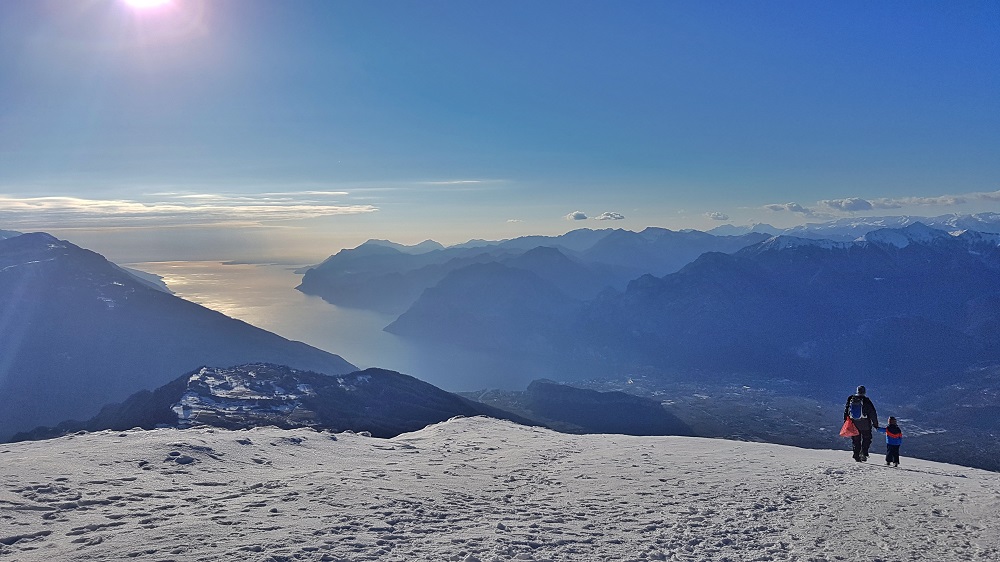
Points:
(860, 410)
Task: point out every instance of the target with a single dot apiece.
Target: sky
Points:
(258, 129)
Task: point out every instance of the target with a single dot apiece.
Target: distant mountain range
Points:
(843, 296)
(853, 228)
(914, 310)
(81, 332)
(580, 263)
(78, 332)
(421, 248)
(389, 277)
(898, 303)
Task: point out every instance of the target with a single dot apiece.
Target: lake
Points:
(265, 296)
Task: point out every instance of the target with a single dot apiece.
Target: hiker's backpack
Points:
(857, 407)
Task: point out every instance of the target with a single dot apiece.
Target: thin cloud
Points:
(457, 185)
(717, 216)
(849, 204)
(576, 216)
(201, 196)
(451, 182)
(514, 220)
(179, 209)
(989, 196)
(788, 208)
(886, 204)
(310, 193)
(609, 216)
(939, 201)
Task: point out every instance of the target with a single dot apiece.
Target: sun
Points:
(142, 4)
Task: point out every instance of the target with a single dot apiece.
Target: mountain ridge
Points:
(378, 401)
(383, 278)
(808, 293)
(80, 332)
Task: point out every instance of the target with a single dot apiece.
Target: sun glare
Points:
(142, 4)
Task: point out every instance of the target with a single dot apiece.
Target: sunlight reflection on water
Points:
(265, 296)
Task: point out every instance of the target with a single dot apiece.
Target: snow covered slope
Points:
(478, 489)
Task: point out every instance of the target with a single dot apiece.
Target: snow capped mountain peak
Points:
(784, 242)
(975, 238)
(981, 222)
(255, 393)
(734, 230)
(221, 394)
(916, 232)
(33, 241)
(28, 250)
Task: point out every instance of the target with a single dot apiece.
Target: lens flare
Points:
(142, 4)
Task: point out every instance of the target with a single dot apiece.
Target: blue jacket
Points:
(893, 435)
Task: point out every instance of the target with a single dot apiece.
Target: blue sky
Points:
(241, 128)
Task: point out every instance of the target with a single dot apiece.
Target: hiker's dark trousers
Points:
(862, 443)
(892, 453)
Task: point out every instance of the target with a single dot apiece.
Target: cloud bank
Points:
(860, 204)
(610, 216)
(606, 216)
(173, 209)
(856, 204)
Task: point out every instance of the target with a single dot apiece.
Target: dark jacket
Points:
(869, 417)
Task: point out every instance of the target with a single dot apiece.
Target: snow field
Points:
(478, 489)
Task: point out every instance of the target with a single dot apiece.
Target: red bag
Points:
(849, 430)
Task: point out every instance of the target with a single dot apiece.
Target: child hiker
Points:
(893, 439)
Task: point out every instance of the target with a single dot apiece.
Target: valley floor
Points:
(479, 489)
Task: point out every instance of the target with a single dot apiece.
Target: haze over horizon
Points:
(190, 129)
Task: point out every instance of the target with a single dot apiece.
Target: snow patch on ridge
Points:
(976, 238)
(216, 395)
(784, 242)
(917, 232)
